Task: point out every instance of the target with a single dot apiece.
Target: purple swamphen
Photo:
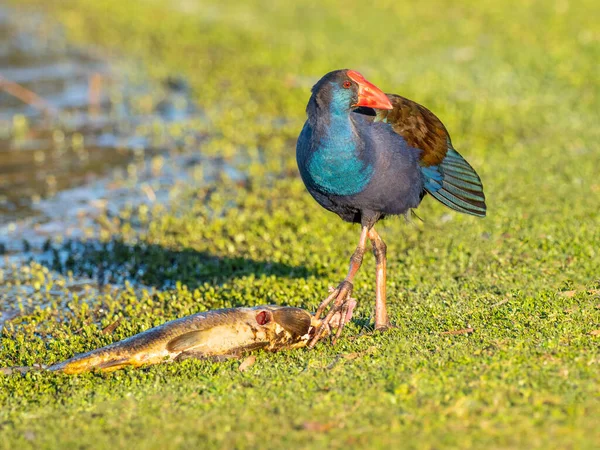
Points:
(364, 155)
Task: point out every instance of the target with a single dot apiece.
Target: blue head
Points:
(341, 91)
(331, 158)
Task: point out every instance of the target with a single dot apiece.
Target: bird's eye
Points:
(346, 84)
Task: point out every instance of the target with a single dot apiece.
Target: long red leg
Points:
(382, 321)
(343, 291)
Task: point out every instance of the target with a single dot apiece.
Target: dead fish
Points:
(222, 332)
(217, 334)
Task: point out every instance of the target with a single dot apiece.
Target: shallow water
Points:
(68, 116)
(96, 136)
(100, 139)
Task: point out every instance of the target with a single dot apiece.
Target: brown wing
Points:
(419, 127)
(448, 177)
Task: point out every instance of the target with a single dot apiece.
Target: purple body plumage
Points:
(353, 166)
(364, 165)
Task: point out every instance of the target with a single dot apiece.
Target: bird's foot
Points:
(339, 313)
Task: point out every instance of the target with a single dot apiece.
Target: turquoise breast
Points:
(336, 168)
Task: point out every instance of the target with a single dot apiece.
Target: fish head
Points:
(283, 326)
(295, 322)
(289, 327)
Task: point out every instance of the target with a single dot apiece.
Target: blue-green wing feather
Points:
(455, 183)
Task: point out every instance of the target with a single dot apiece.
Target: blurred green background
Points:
(516, 84)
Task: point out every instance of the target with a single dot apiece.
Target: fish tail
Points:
(97, 359)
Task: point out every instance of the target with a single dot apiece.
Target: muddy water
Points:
(82, 136)
(69, 116)
(81, 133)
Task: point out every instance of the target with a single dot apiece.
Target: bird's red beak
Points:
(368, 94)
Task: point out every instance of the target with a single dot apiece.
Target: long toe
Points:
(339, 296)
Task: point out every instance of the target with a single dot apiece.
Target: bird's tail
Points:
(455, 183)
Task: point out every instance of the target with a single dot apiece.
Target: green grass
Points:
(516, 84)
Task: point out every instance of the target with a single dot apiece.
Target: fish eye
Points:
(346, 84)
(263, 317)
